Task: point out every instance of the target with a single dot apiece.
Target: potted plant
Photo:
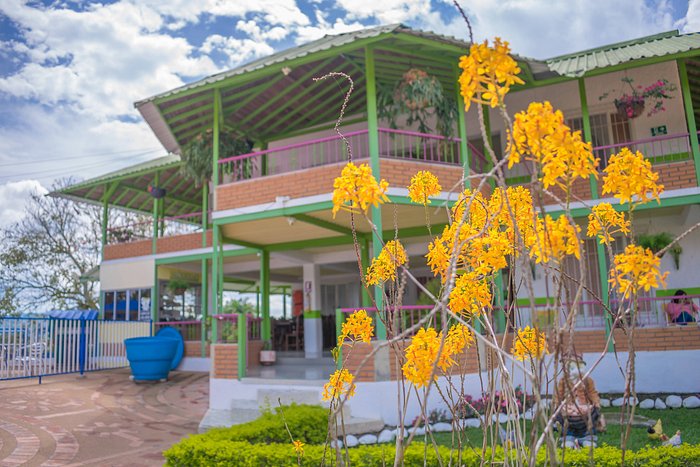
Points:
(229, 333)
(178, 285)
(267, 355)
(633, 99)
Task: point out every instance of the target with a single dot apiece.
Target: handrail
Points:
(642, 141)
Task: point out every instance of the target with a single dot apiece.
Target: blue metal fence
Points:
(37, 347)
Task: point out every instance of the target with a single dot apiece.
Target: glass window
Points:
(109, 306)
(121, 306)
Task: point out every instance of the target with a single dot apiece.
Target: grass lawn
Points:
(686, 420)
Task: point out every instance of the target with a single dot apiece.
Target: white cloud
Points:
(13, 199)
(311, 33)
(691, 22)
(386, 11)
(237, 50)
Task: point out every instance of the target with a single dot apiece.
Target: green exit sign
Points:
(659, 130)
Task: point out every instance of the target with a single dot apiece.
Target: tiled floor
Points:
(103, 419)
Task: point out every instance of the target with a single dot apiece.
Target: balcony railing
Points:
(225, 328)
(393, 144)
(143, 229)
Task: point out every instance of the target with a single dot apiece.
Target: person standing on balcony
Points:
(682, 310)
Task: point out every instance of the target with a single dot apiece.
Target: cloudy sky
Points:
(70, 70)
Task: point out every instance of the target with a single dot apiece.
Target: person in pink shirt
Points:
(682, 310)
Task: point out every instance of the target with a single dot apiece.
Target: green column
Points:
(155, 295)
(265, 330)
(154, 245)
(464, 156)
(204, 299)
(600, 249)
(587, 133)
(242, 344)
(215, 270)
(690, 117)
(215, 138)
(105, 221)
(373, 142)
(366, 300)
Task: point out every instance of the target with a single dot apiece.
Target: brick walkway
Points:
(103, 419)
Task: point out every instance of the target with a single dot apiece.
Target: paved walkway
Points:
(103, 419)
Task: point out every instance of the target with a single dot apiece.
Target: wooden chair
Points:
(295, 336)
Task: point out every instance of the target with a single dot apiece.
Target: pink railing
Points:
(399, 319)
(143, 230)
(227, 328)
(190, 330)
(396, 144)
(667, 148)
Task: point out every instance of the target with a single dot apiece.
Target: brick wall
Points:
(319, 180)
(224, 361)
(182, 242)
(194, 349)
(677, 175)
(353, 359)
(128, 250)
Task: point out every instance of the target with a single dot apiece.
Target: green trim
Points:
(587, 133)
(605, 291)
(319, 242)
(365, 298)
(154, 241)
(322, 224)
(205, 213)
(155, 295)
(526, 301)
(517, 180)
(669, 158)
(234, 241)
(339, 319)
(242, 345)
(665, 203)
(279, 212)
(690, 117)
(373, 143)
(312, 314)
(215, 142)
(670, 292)
(215, 272)
(204, 283)
(464, 155)
(266, 329)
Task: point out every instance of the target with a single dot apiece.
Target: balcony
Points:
(259, 177)
(175, 233)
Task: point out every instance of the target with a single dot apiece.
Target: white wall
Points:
(125, 274)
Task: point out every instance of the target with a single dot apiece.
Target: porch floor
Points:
(293, 366)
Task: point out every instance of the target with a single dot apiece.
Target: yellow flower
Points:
(356, 189)
(637, 268)
(384, 266)
(470, 294)
(421, 355)
(423, 185)
(555, 239)
(540, 135)
(339, 384)
(605, 222)
(459, 337)
(358, 327)
(298, 447)
(629, 174)
(487, 73)
(529, 343)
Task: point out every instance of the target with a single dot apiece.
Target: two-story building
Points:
(264, 223)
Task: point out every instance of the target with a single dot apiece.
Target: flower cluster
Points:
(298, 447)
(383, 267)
(555, 239)
(605, 222)
(631, 103)
(339, 384)
(635, 269)
(541, 136)
(358, 327)
(629, 175)
(424, 352)
(423, 185)
(470, 408)
(487, 73)
(356, 189)
(470, 295)
(529, 343)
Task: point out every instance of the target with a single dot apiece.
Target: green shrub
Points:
(224, 453)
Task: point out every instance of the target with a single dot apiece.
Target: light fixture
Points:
(291, 221)
(286, 70)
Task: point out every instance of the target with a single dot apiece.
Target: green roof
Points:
(658, 45)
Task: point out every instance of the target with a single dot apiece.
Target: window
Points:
(599, 128)
(127, 305)
(183, 306)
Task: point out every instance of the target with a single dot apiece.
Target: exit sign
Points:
(659, 130)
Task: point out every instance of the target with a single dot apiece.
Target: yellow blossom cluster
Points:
(541, 136)
(555, 240)
(470, 294)
(383, 267)
(423, 185)
(339, 384)
(637, 268)
(529, 343)
(358, 327)
(629, 175)
(487, 73)
(356, 189)
(422, 353)
(298, 447)
(605, 222)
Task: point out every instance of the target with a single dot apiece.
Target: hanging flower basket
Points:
(630, 106)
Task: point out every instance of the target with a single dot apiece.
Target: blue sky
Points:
(70, 70)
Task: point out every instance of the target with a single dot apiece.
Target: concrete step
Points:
(358, 426)
(273, 397)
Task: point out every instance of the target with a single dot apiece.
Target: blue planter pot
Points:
(150, 358)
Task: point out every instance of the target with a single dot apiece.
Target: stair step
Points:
(273, 397)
